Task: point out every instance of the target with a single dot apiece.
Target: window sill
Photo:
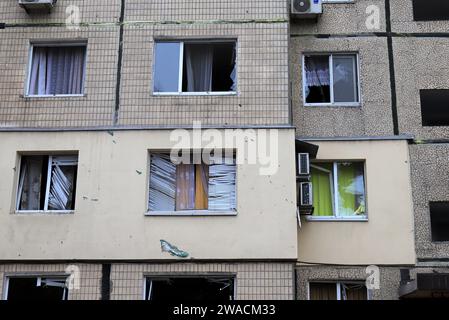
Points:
(191, 213)
(333, 105)
(59, 96)
(187, 94)
(337, 219)
(42, 212)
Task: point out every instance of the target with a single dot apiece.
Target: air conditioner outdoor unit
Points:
(306, 199)
(306, 9)
(303, 164)
(37, 6)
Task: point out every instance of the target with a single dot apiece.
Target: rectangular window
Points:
(439, 220)
(435, 107)
(36, 289)
(430, 10)
(57, 70)
(191, 187)
(338, 190)
(216, 289)
(195, 67)
(331, 79)
(47, 183)
(338, 291)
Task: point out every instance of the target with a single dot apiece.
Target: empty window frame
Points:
(430, 10)
(435, 107)
(36, 289)
(195, 67)
(338, 190)
(194, 289)
(331, 80)
(192, 187)
(337, 291)
(439, 221)
(57, 70)
(47, 183)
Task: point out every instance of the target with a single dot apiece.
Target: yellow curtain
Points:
(322, 190)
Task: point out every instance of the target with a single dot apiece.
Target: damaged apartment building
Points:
(93, 205)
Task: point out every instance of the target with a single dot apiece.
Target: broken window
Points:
(435, 107)
(331, 79)
(338, 291)
(57, 70)
(36, 288)
(439, 218)
(195, 66)
(338, 189)
(47, 183)
(178, 187)
(430, 10)
(214, 289)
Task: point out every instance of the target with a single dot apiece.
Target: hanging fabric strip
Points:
(222, 186)
(162, 183)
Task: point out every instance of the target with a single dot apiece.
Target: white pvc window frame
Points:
(39, 278)
(332, 103)
(47, 188)
(57, 45)
(334, 190)
(181, 68)
(338, 287)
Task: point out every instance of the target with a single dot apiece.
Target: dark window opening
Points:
(430, 10)
(37, 193)
(190, 289)
(435, 107)
(36, 288)
(439, 220)
(206, 67)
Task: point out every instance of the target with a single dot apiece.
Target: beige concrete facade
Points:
(387, 237)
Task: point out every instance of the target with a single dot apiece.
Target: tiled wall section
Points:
(94, 109)
(90, 277)
(262, 78)
(255, 281)
(181, 10)
(90, 12)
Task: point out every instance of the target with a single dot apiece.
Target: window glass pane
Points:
(166, 67)
(317, 79)
(323, 291)
(322, 186)
(57, 70)
(345, 79)
(32, 183)
(351, 189)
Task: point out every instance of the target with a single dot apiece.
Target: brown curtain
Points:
(355, 291)
(201, 187)
(323, 291)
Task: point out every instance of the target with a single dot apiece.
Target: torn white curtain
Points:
(234, 70)
(57, 70)
(199, 62)
(61, 188)
(162, 183)
(30, 184)
(222, 186)
(317, 71)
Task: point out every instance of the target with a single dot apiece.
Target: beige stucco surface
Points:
(109, 221)
(387, 237)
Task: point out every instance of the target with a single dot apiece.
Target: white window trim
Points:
(334, 190)
(47, 193)
(181, 70)
(338, 287)
(331, 76)
(191, 213)
(55, 44)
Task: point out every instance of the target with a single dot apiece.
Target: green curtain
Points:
(322, 192)
(351, 189)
